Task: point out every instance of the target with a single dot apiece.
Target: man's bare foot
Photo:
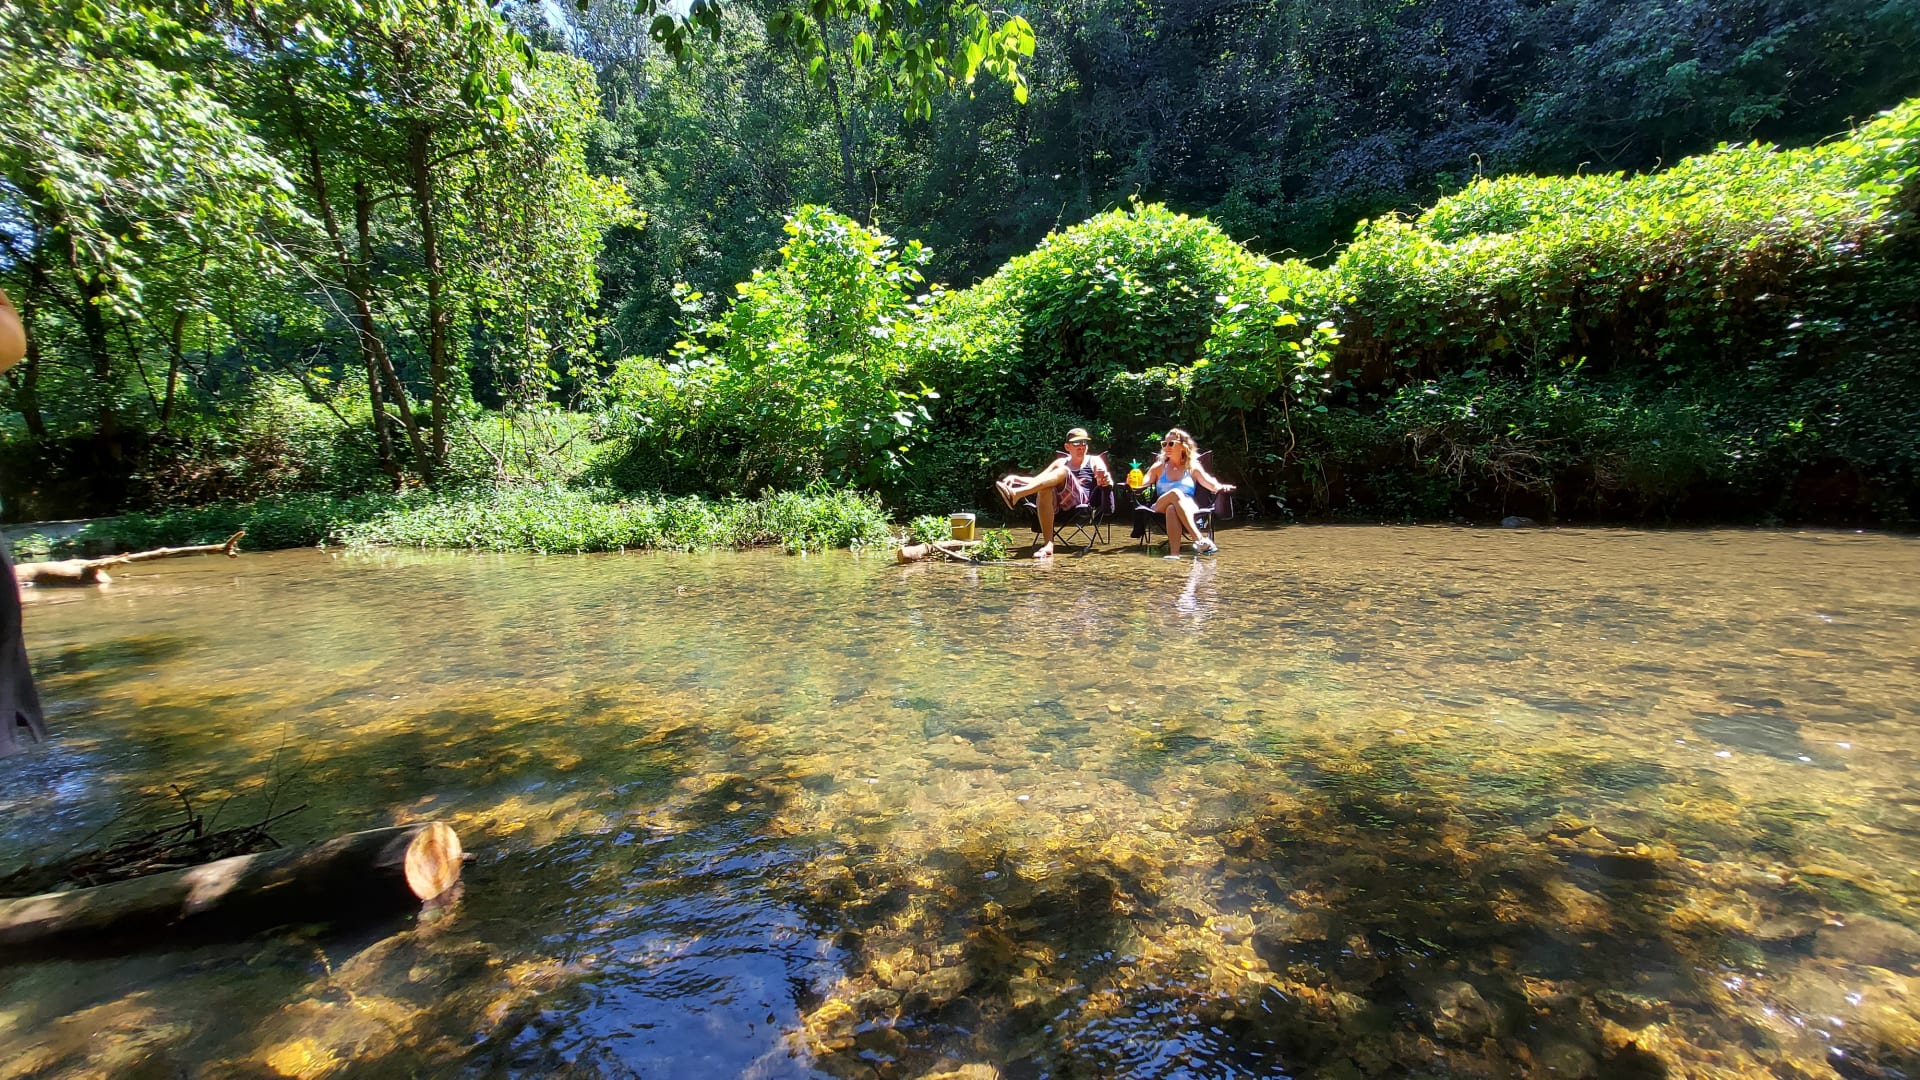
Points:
(1044, 551)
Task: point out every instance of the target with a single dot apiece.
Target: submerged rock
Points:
(1864, 939)
(1275, 934)
(964, 1072)
(1459, 1014)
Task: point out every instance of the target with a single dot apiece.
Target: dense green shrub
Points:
(1125, 324)
(927, 528)
(1710, 335)
(519, 518)
(1694, 266)
(800, 379)
(272, 439)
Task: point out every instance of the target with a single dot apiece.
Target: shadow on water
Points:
(1367, 921)
(625, 916)
(1393, 932)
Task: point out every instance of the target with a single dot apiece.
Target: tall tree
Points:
(432, 143)
(129, 184)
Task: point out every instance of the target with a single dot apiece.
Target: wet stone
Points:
(1567, 1061)
(937, 987)
(1864, 939)
(1459, 1014)
(1276, 934)
(964, 1072)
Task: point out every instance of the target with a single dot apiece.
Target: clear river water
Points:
(1340, 802)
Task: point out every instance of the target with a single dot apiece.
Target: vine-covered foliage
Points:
(1735, 332)
(1735, 335)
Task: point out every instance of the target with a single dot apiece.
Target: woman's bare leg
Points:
(1169, 505)
(1188, 517)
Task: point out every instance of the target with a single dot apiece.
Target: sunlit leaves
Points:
(127, 161)
(803, 377)
(909, 45)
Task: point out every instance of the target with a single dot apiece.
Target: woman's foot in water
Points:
(1044, 551)
(1204, 546)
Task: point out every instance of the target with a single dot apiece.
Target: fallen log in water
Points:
(93, 571)
(380, 869)
(952, 549)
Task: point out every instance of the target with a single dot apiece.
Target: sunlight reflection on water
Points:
(1342, 800)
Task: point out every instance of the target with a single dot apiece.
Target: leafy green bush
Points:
(1720, 334)
(1703, 265)
(996, 545)
(1124, 324)
(274, 438)
(1129, 290)
(801, 379)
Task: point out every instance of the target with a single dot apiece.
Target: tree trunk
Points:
(356, 275)
(360, 872)
(93, 329)
(362, 288)
(174, 359)
(420, 169)
(360, 284)
(849, 174)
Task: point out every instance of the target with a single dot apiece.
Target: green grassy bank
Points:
(530, 518)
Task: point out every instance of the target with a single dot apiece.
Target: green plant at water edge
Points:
(927, 528)
(31, 546)
(552, 519)
(280, 521)
(540, 518)
(996, 545)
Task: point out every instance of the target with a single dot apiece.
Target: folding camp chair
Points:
(1085, 525)
(1212, 506)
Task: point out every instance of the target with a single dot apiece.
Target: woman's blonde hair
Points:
(1177, 437)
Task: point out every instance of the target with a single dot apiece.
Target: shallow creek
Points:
(1342, 802)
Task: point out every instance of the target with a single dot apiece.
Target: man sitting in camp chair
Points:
(1067, 483)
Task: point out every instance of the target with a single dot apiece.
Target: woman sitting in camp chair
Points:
(1175, 476)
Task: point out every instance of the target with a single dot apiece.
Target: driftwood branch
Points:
(948, 549)
(94, 571)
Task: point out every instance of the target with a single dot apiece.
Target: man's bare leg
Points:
(1018, 487)
(1044, 507)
